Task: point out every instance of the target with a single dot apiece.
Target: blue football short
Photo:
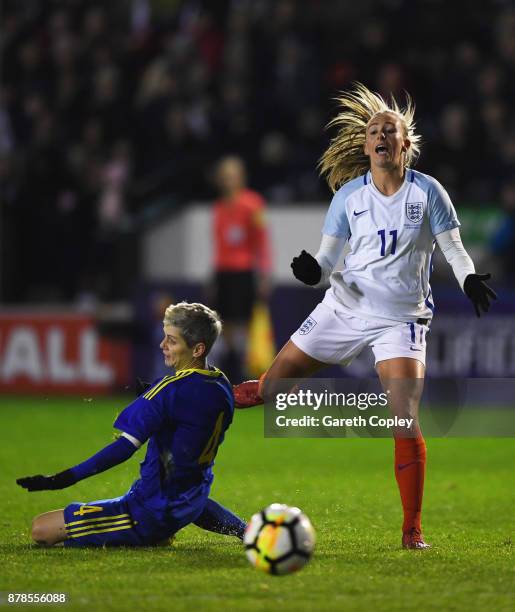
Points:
(124, 521)
(106, 522)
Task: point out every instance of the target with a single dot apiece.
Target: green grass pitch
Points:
(346, 486)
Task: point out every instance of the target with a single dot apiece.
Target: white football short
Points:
(332, 336)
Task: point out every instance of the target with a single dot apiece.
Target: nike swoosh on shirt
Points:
(412, 349)
(357, 214)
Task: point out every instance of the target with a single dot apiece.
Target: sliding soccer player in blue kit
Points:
(184, 417)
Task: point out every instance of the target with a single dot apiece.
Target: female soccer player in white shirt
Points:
(391, 216)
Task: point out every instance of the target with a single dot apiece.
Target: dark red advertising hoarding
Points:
(59, 353)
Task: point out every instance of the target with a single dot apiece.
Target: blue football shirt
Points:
(184, 418)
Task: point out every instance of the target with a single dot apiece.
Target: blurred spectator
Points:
(503, 241)
(105, 271)
(185, 82)
(241, 261)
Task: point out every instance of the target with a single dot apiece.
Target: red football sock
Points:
(410, 467)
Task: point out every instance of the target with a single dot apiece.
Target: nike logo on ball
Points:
(357, 214)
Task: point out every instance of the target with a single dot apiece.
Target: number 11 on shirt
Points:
(393, 234)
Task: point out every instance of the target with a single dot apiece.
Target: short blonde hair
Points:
(345, 159)
(196, 322)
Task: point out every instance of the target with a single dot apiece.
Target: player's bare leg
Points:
(290, 362)
(48, 528)
(403, 379)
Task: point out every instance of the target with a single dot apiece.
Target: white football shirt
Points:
(391, 240)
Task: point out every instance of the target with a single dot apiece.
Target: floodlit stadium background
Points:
(113, 114)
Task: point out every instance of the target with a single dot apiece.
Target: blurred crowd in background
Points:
(112, 112)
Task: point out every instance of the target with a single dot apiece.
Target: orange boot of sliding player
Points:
(247, 393)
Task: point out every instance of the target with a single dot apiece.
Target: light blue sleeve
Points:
(442, 215)
(336, 221)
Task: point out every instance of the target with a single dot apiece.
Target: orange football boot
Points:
(246, 394)
(414, 540)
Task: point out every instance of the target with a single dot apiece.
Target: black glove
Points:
(306, 268)
(478, 292)
(142, 386)
(47, 483)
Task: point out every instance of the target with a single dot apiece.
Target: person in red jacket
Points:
(241, 258)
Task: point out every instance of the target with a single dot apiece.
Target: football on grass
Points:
(279, 540)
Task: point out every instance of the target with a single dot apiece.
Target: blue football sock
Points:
(216, 518)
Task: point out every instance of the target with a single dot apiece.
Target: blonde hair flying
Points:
(344, 158)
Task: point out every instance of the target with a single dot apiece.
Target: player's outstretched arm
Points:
(108, 457)
(473, 285)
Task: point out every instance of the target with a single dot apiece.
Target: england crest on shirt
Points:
(307, 326)
(415, 211)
